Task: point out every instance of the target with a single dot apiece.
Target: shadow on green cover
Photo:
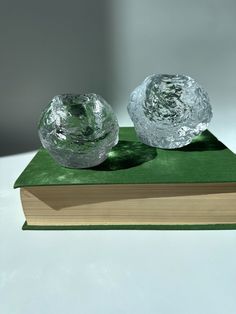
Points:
(127, 154)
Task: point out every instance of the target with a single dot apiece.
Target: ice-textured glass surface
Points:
(78, 130)
(169, 110)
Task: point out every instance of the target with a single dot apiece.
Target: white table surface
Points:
(82, 272)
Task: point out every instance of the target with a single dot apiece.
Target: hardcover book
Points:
(137, 187)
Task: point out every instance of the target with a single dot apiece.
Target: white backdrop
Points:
(109, 47)
(196, 38)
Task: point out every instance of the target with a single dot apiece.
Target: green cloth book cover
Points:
(205, 160)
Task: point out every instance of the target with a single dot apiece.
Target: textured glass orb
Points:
(78, 130)
(169, 110)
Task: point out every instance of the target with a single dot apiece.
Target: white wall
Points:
(108, 47)
(185, 36)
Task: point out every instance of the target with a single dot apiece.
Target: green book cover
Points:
(131, 162)
(205, 160)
